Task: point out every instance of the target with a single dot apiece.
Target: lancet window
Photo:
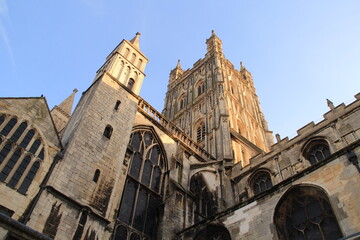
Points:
(21, 152)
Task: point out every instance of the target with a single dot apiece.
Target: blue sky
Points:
(299, 52)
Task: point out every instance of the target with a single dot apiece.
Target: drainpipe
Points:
(26, 216)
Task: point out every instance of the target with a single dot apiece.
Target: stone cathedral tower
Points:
(90, 172)
(118, 169)
(217, 105)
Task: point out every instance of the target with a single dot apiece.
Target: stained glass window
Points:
(261, 182)
(141, 197)
(20, 158)
(306, 213)
(8, 127)
(317, 151)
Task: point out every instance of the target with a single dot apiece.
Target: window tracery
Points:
(306, 213)
(138, 213)
(260, 182)
(204, 202)
(19, 165)
(316, 151)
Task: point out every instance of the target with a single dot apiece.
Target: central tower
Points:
(216, 105)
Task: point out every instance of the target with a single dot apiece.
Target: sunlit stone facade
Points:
(206, 168)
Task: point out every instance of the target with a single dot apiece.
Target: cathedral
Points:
(206, 167)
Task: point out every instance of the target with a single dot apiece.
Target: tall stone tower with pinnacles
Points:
(206, 168)
(217, 105)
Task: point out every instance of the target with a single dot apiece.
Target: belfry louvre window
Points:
(20, 157)
(304, 212)
(260, 182)
(138, 213)
(200, 132)
(316, 151)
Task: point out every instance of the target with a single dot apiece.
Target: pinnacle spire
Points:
(67, 104)
(178, 64)
(135, 41)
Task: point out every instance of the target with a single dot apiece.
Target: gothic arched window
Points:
(108, 131)
(204, 202)
(133, 57)
(200, 132)
(15, 160)
(182, 102)
(306, 213)
(316, 151)
(131, 83)
(138, 213)
(260, 182)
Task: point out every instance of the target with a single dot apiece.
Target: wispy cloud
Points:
(3, 8)
(96, 6)
(4, 13)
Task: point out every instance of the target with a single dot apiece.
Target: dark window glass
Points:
(29, 178)
(135, 143)
(127, 202)
(2, 118)
(18, 132)
(121, 233)
(151, 215)
(148, 138)
(9, 165)
(9, 126)
(117, 104)
(4, 152)
(131, 83)
(134, 236)
(19, 171)
(261, 182)
(146, 173)
(27, 138)
(305, 213)
(41, 154)
(204, 203)
(34, 147)
(155, 185)
(139, 216)
(139, 204)
(317, 152)
(154, 155)
(108, 131)
(135, 165)
(96, 175)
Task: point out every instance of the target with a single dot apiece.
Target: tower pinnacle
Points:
(135, 41)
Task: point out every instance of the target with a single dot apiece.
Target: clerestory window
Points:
(261, 181)
(316, 151)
